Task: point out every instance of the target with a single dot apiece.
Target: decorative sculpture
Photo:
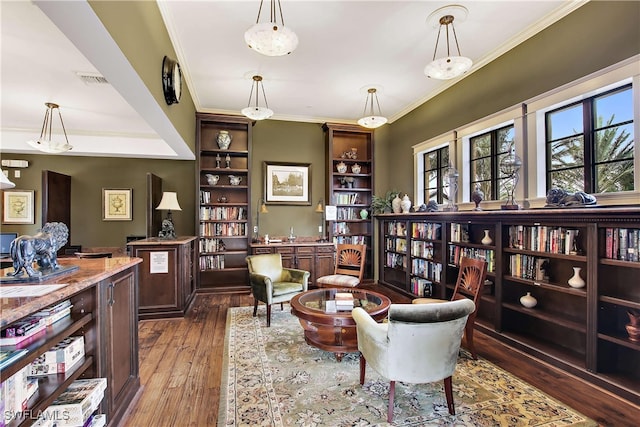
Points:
(42, 248)
(510, 167)
(168, 231)
(559, 198)
(477, 196)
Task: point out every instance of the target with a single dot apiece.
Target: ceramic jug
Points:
(235, 180)
(212, 179)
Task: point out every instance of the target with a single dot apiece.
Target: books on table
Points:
(344, 301)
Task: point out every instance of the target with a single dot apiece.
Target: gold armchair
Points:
(272, 283)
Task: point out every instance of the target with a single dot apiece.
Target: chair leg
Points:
(268, 315)
(392, 393)
(448, 392)
(255, 307)
(468, 334)
(363, 368)
(282, 306)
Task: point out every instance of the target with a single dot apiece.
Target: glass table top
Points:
(318, 299)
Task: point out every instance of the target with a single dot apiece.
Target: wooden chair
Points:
(350, 260)
(471, 277)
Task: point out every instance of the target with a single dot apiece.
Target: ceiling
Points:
(345, 47)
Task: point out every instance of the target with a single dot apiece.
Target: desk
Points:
(335, 332)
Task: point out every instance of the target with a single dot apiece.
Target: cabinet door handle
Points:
(111, 300)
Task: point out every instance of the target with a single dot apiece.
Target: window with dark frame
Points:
(486, 152)
(435, 163)
(590, 143)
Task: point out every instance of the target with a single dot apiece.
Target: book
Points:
(60, 358)
(7, 356)
(21, 335)
(76, 404)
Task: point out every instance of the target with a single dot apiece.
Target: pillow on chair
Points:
(338, 280)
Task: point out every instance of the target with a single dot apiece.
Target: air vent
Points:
(92, 78)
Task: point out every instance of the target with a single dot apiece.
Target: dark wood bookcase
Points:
(223, 217)
(351, 189)
(580, 330)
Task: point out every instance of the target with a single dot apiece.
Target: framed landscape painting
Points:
(18, 207)
(287, 183)
(116, 204)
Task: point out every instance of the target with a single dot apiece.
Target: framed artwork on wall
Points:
(18, 207)
(287, 183)
(116, 204)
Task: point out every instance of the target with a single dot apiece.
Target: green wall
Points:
(593, 37)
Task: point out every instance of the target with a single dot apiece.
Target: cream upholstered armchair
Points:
(271, 283)
(419, 344)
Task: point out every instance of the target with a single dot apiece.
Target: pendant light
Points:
(271, 38)
(256, 112)
(46, 143)
(372, 120)
(448, 67)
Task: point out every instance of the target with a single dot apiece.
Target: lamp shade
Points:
(46, 143)
(4, 182)
(448, 68)
(271, 39)
(372, 120)
(169, 202)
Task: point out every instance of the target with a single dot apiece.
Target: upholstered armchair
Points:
(418, 344)
(271, 283)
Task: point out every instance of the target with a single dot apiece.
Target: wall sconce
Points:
(261, 208)
(320, 210)
(168, 203)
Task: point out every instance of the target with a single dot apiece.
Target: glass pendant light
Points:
(372, 120)
(271, 38)
(450, 66)
(256, 112)
(46, 143)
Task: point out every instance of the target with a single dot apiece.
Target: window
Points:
(486, 151)
(435, 163)
(590, 143)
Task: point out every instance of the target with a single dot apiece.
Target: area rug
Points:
(274, 378)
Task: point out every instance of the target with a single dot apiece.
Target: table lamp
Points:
(261, 208)
(320, 210)
(168, 203)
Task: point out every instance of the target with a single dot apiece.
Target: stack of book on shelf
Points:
(60, 358)
(73, 408)
(26, 330)
(54, 313)
(16, 392)
(344, 301)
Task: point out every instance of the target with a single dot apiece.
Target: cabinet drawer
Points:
(326, 249)
(284, 250)
(306, 250)
(262, 251)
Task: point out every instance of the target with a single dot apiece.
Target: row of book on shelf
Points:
(396, 228)
(343, 214)
(426, 269)
(529, 267)
(212, 245)
(212, 262)
(543, 238)
(422, 249)
(208, 213)
(421, 287)
(396, 244)
(346, 198)
(426, 230)
(229, 229)
(622, 244)
(350, 240)
(456, 252)
(75, 406)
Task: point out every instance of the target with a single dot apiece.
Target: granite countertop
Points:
(89, 273)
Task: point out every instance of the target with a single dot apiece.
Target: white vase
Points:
(405, 204)
(223, 139)
(576, 281)
(486, 240)
(396, 204)
(528, 300)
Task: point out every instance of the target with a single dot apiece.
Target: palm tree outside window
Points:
(486, 152)
(590, 143)
(435, 163)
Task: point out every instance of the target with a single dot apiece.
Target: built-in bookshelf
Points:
(350, 186)
(579, 325)
(222, 215)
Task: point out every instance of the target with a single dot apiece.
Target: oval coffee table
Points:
(335, 331)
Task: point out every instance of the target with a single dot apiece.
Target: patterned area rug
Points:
(274, 378)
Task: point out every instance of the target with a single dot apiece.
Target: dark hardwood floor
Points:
(181, 368)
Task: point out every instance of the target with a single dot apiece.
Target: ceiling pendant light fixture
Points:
(46, 143)
(372, 120)
(256, 112)
(448, 67)
(271, 38)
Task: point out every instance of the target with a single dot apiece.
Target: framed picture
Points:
(116, 204)
(287, 183)
(18, 207)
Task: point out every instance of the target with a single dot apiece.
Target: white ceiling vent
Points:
(92, 78)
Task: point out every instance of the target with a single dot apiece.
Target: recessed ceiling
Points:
(345, 47)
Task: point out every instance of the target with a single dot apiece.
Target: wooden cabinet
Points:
(316, 258)
(119, 343)
(223, 212)
(103, 294)
(350, 186)
(167, 276)
(579, 329)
